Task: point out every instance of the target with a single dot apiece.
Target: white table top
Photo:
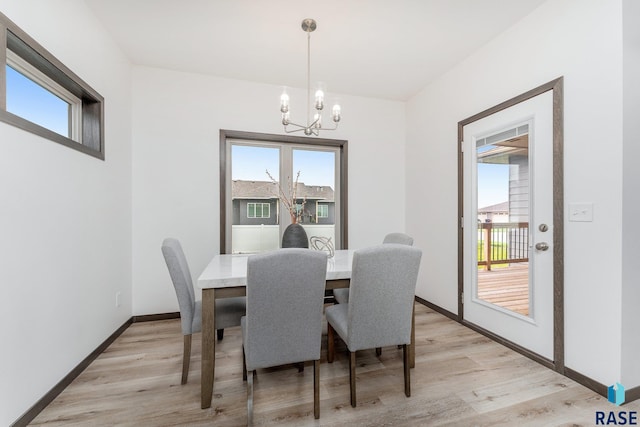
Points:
(226, 271)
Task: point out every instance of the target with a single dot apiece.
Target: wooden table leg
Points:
(208, 347)
(412, 347)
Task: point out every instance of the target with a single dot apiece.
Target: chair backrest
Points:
(399, 238)
(381, 295)
(182, 282)
(285, 296)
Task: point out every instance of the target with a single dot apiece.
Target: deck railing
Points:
(502, 243)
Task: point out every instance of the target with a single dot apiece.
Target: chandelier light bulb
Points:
(335, 112)
(284, 103)
(319, 99)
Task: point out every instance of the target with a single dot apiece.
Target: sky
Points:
(249, 163)
(493, 184)
(36, 104)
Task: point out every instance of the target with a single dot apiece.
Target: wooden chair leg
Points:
(412, 347)
(186, 358)
(378, 351)
(316, 389)
(352, 377)
(407, 370)
(244, 366)
(330, 343)
(250, 398)
(220, 333)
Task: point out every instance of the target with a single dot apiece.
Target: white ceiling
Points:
(387, 49)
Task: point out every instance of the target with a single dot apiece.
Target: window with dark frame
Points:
(41, 95)
(284, 156)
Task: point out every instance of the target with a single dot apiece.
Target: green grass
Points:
(498, 250)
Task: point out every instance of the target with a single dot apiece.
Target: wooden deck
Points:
(506, 287)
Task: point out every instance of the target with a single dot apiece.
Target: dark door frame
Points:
(558, 219)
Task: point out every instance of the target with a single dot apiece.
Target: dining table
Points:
(226, 276)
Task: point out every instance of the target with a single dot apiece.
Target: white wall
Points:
(177, 118)
(631, 203)
(65, 219)
(68, 220)
(582, 41)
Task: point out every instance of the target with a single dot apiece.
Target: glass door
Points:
(255, 211)
(317, 192)
(508, 272)
(257, 175)
(502, 169)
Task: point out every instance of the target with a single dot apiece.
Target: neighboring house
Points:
(494, 213)
(256, 202)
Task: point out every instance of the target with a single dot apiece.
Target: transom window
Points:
(37, 98)
(41, 95)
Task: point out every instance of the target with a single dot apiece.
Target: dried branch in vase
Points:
(289, 199)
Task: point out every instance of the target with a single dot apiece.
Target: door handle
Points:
(542, 246)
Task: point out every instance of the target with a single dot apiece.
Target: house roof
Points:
(269, 190)
(500, 207)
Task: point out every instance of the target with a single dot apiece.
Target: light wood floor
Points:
(507, 287)
(461, 379)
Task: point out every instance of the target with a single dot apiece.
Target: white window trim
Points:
(254, 210)
(325, 206)
(33, 74)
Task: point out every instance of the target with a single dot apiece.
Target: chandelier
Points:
(314, 126)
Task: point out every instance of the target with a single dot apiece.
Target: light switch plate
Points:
(582, 212)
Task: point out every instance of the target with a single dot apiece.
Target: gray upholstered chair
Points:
(377, 314)
(342, 295)
(285, 298)
(228, 311)
(399, 238)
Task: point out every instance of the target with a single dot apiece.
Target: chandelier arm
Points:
(333, 128)
(293, 131)
(296, 124)
(313, 130)
(302, 127)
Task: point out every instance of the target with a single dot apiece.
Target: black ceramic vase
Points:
(294, 236)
